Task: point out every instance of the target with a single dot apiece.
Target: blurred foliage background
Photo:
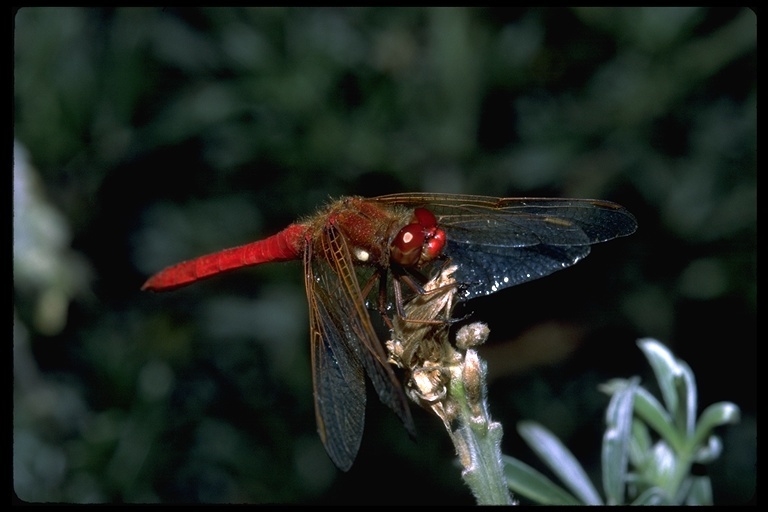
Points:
(146, 136)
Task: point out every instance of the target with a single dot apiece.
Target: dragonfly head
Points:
(419, 242)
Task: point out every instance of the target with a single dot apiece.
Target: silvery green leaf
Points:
(639, 444)
(652, 496)
(700, 492)
(717, 414)
(560, 461)
(526, 481)
(664, 464)
(615, 443)
(710, 452)
(648, 409)
(687, 394)
(666, 369)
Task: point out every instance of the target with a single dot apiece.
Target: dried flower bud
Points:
(472, 335)
(472, 374)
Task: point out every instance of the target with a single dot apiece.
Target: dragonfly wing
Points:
(522, 221)
(344, 341)
(486, 269)
(338, 381)
(502, 242)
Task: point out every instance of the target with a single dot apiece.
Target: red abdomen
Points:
(286, 245)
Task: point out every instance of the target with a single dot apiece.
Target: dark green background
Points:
(155, 135)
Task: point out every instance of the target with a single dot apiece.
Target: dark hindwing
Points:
(486, 269)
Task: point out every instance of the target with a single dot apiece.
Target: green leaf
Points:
(688, 395)
(709, 452)
(640, 444)
(613, 386)
(666, 369)
(560, 460)
(652, 496)
(616, 443)
(663, 467)
(700, 491)
(526, 481)
(651, 411)
(717, 414)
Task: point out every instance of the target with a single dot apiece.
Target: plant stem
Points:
(478, 442)
(449, 379)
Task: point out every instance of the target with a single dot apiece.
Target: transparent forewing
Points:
(520, 222)
(502, 242)
(344, 339)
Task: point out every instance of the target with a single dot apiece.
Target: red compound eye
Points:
(434, 245)
(419, 242)
(406, 247)
(424, 217)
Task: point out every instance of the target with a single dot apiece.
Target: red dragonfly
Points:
(354, 243)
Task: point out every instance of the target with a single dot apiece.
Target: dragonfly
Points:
(361, 255)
